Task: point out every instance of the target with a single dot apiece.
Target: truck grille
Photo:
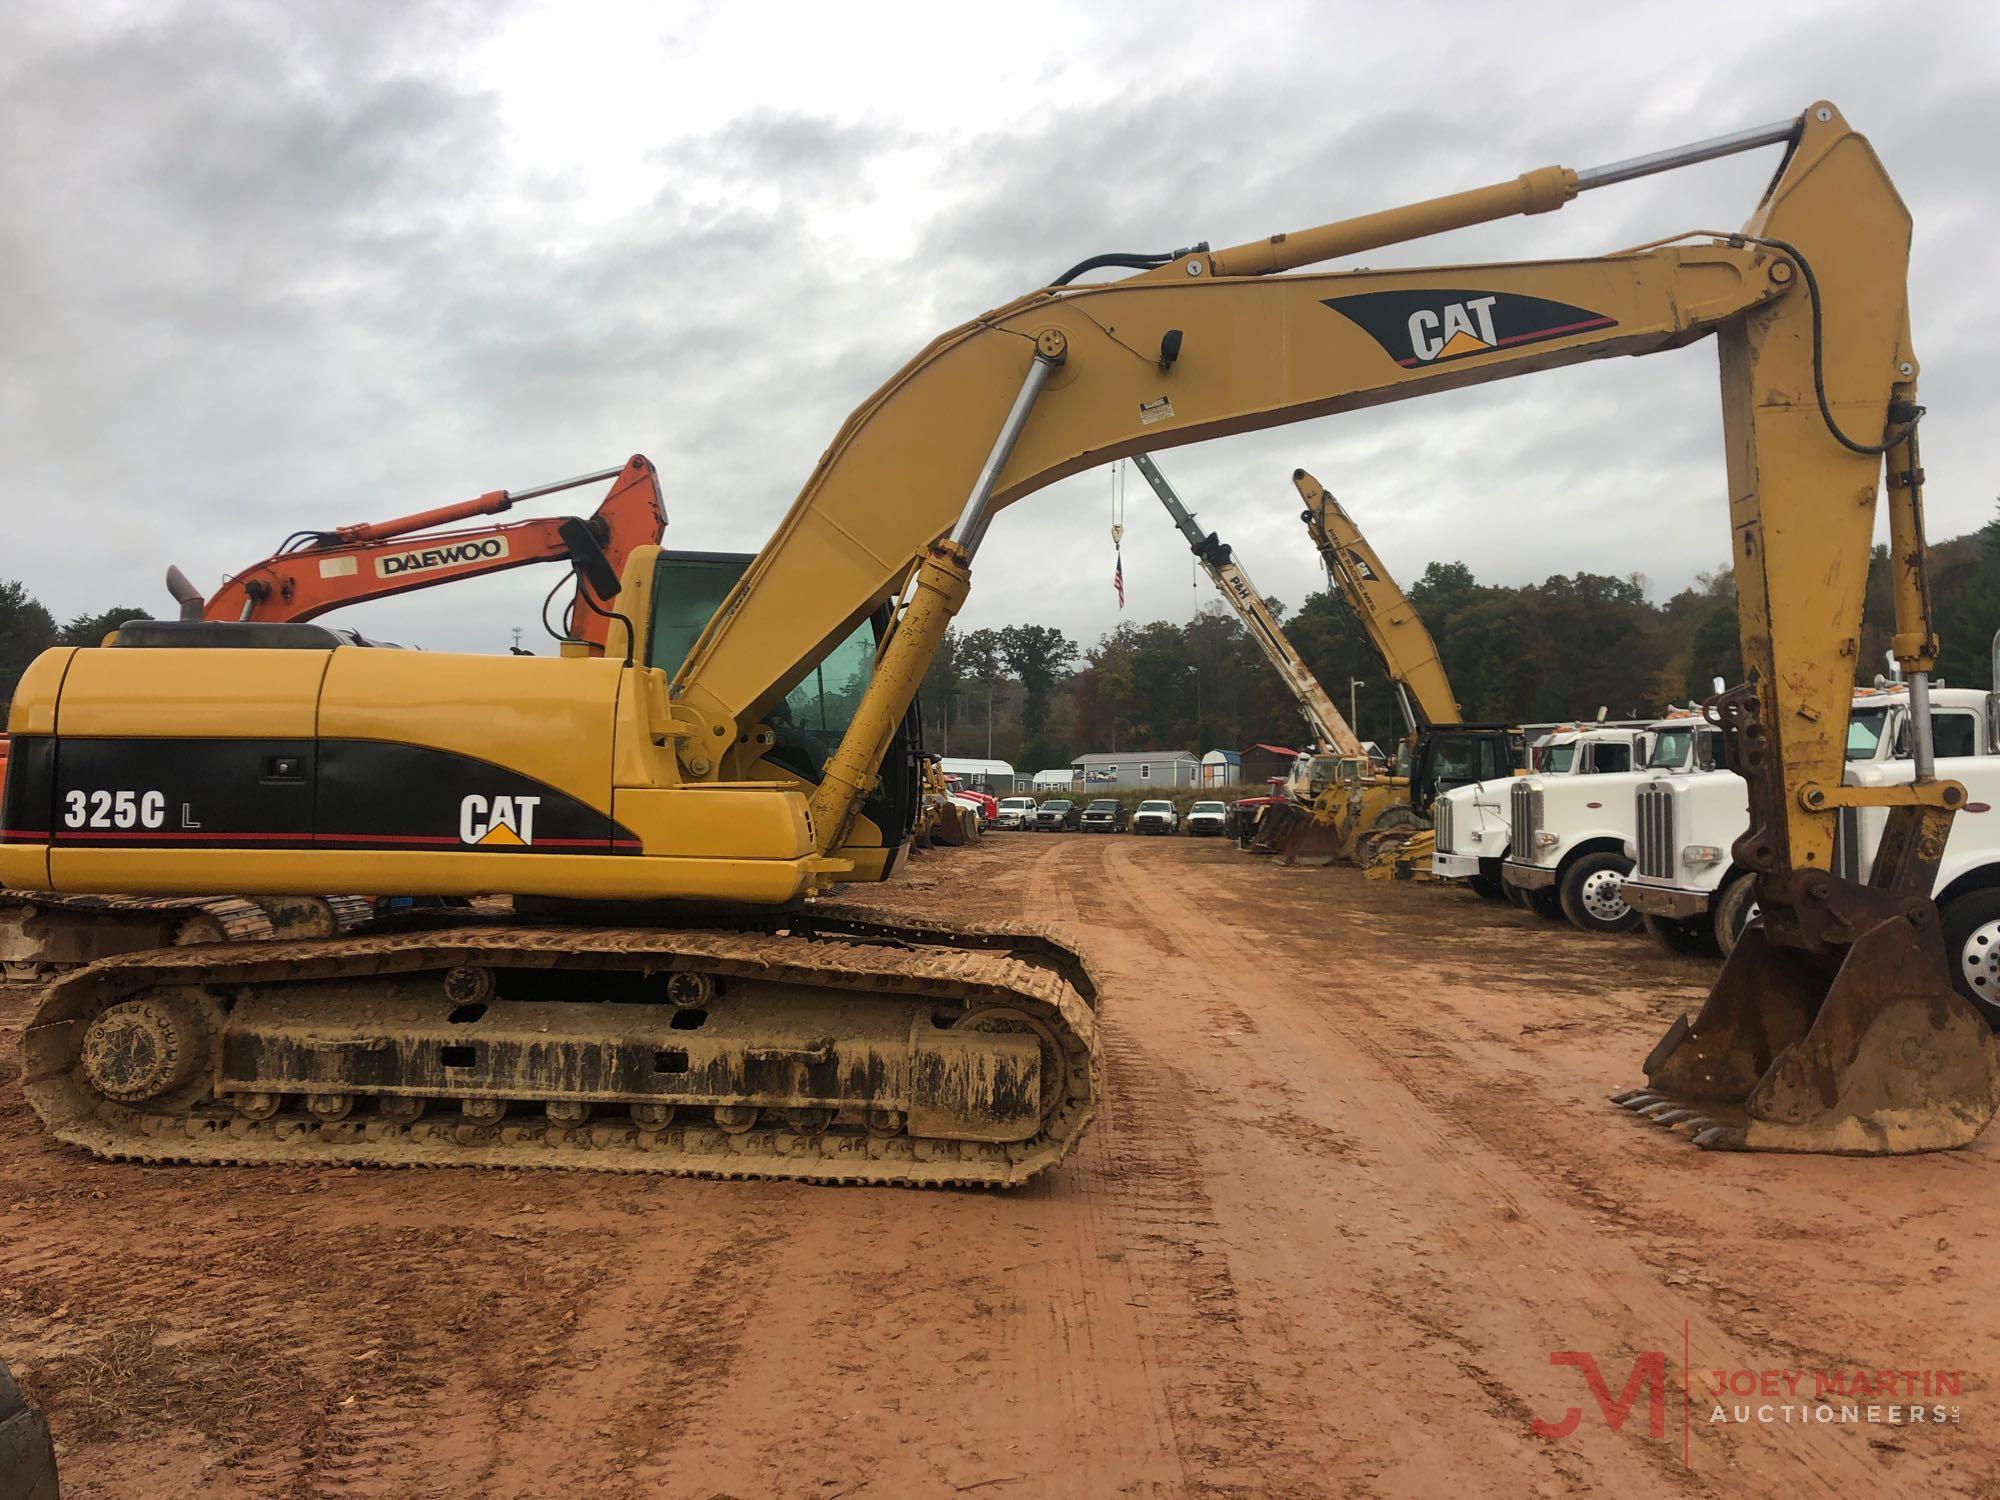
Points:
(1527, 819)
(1441, 825)
(1656, 831)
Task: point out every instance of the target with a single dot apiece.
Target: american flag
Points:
(1118, 579)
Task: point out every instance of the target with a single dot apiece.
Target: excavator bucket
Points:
(1873, 1053)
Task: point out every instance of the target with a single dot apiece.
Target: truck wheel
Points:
(1545, 903)
(1972, 948)
(1690, 937)
(1491, 887)
(1513, 895)
(1733, 910)
(1590, 894)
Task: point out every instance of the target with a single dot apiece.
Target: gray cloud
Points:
(266, 269)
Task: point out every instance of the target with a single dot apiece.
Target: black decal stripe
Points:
(298, 794)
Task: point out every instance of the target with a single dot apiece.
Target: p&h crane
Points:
(654, 811)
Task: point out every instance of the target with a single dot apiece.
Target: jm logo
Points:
(1649, 1370)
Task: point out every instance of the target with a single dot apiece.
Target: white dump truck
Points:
(1568, 834)
(1693, 895)
(1473, 822)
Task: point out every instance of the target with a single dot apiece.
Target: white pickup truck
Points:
(1685, 881)
(1472, 822)
(1568, 833)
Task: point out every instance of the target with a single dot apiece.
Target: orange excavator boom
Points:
(318, 571)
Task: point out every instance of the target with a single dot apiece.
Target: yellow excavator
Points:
(1441, 750)
(658, 1000)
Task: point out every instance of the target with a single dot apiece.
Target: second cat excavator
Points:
(659, 1001)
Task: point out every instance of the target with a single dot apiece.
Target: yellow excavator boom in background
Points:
(749, 767)
(1385, 613)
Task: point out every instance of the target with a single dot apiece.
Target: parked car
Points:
(1106, 815)
(1208, 819)
(1156, 817)
(1057, 815)
(1015, 812)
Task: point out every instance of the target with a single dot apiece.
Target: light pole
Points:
(1352, 716)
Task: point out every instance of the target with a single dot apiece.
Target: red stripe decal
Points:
(426, 840)
(26, 835)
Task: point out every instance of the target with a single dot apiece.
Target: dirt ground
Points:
(1355, 1184)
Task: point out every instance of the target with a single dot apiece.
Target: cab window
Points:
(1951, 734)
(1557, 759)
(1609, 755)
(1864, 732)
(1670, 750)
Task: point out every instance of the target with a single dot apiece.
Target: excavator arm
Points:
(327, 570)
(1809, 306)
(1329, 729)
(1407, 652)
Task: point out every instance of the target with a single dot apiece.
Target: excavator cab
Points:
(808, 722)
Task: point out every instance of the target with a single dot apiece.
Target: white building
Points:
(994, 777)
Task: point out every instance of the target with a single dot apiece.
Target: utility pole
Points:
(1352, 716)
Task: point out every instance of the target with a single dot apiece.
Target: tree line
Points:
(1530, 653)
(1567, 646)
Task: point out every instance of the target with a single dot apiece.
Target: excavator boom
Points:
(1390, 621)
(328, 570)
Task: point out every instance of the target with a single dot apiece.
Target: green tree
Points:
(90, 630)
(979, 657)
(26, 630)
(1038, 655)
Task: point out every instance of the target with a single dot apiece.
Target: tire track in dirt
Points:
(1448, 1069)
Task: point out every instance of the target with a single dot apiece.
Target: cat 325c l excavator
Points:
(744, 768)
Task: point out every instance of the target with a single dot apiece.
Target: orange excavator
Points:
(313, 573)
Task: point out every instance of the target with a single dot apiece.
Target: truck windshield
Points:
(1559, 760)
(1864, 732)
(1672, 750)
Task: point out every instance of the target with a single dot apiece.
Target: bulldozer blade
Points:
(1873, 1054)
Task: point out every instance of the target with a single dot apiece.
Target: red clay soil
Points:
(1355, 1184)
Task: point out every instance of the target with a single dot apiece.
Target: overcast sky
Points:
(274, 266)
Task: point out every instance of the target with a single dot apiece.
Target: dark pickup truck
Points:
(1057, 815)
(1106, 816)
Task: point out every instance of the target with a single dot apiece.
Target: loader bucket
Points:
(1277, 824)
(1870, 1053)
(1315, 842)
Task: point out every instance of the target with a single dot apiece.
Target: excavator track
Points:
(44, 932)
(828, 1047)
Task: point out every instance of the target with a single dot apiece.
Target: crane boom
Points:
(1390, 621)
(1330, 731)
